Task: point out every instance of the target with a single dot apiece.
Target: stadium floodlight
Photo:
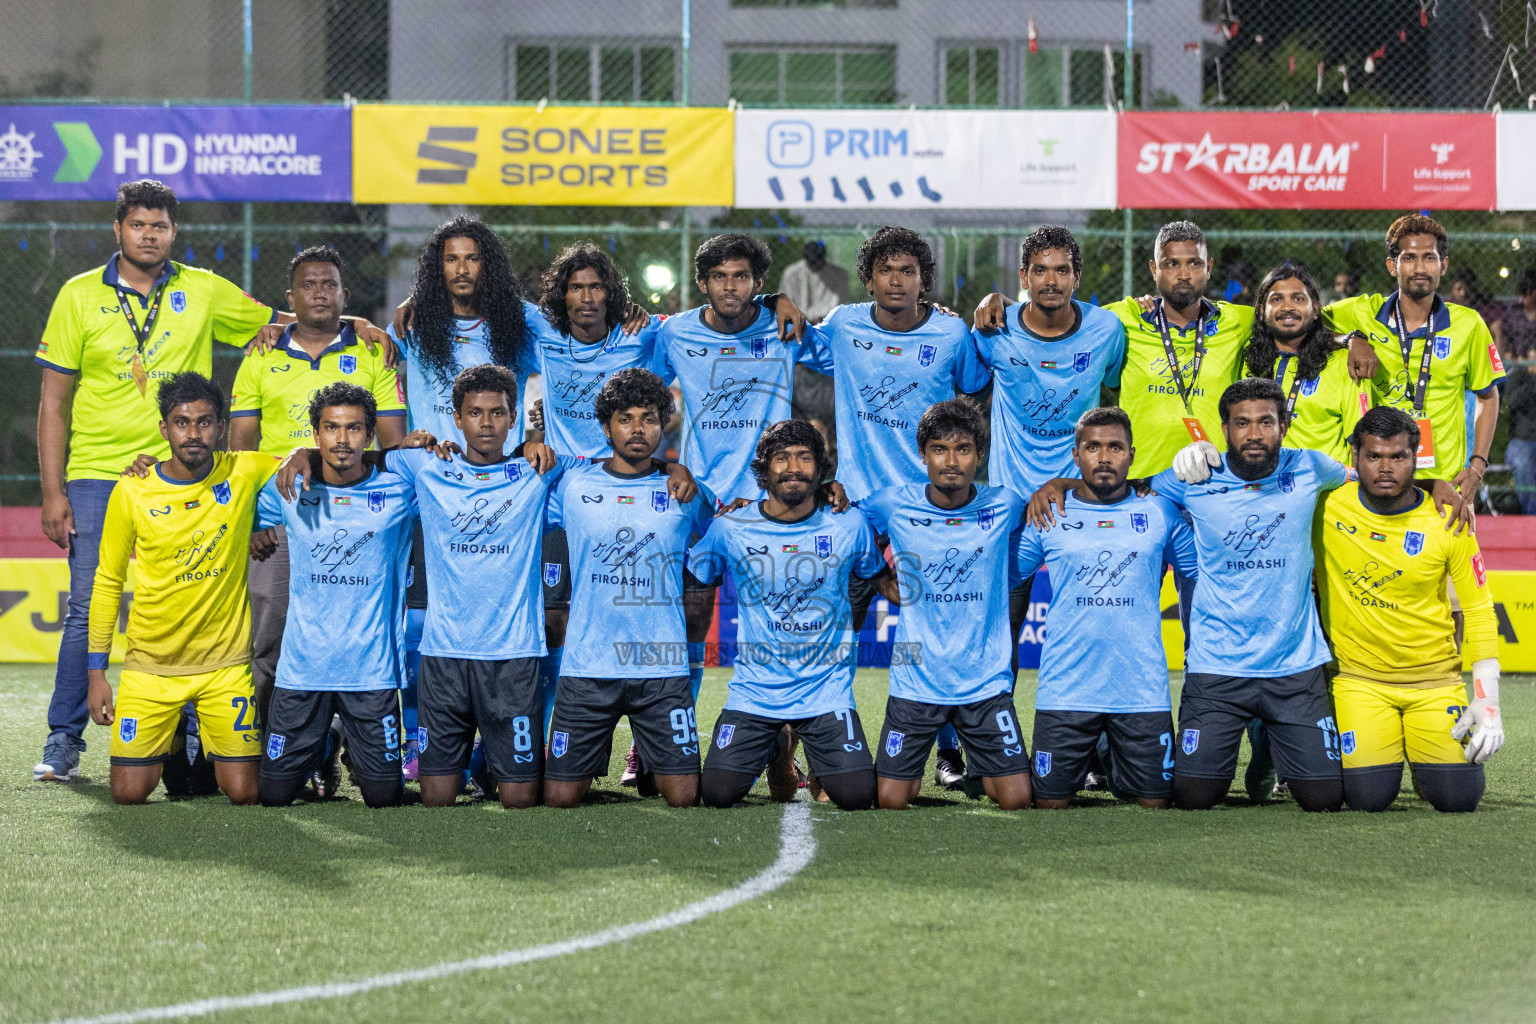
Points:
(659, 280)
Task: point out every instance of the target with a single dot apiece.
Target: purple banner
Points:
(229, 154)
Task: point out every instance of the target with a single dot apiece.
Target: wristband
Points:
(1485, 462)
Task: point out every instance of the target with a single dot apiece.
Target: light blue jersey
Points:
(734, 387)
(1042, 386)
(429, 396)
(574, 373)
(481, 527)
(628, 540)
(349, 550)
(952, 565)
(1253, 613)
(883, 381)
(1104, 639)
(795, 648)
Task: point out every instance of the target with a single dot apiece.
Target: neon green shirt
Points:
(114, 418)
(1147, 390)
(1465, 359)
(277, 385)
(1327, 408)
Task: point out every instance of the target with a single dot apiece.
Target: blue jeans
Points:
(67, 712)
(1521, 456)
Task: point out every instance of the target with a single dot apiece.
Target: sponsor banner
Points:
(1307, 160)
(232, 154)
(1517, 156)
(527, 156)
(34, 595)
(850, 159)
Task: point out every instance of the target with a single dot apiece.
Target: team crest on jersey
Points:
(1042, 763)
(559, 743)
(1442, 347)
(551, 574)
(221, 492)
(1191, 741)
(724, 736)
(823, 545)
(1139, 522)
(513, 471)
(179, 301)
(1309, 387)
(275, 744)
(1080, 362)
(348, 364)
(421, 739)
(1347, 742)
(1413, 542)
(659, 501)
(375, 501)
(893, 743)
(127, 729)
(926, 354)
(985, 518)
(759, 347)
(1287, 482)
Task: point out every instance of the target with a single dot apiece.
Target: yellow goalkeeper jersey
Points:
(191, 612)
(1381, 582)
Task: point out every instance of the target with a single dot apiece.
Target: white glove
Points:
(1482, 719)
(1193, 463)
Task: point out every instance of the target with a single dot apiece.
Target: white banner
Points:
(1517, 157)
(970, 159)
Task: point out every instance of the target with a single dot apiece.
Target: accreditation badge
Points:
(1425, 457)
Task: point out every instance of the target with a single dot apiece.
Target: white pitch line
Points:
(797, 846)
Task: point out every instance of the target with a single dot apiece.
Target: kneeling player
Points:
(791, 558)
(626, 645)
(1103, 673)
(349, 537)
(189, 630)
(1383, 559)
(951, 664)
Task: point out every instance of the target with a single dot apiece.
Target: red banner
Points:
(1323, 160)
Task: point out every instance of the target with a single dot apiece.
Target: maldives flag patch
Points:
(953, 522)
(892, 350)
(194, 503)
(626, 499)
(790, 549)
(1106, 524)
(1048, 364)
(1378, 536)
(339, 500)
(482, 476)
(729, 350)
(1253, 487)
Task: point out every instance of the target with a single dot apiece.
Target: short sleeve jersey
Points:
(1149, 393)
(795, 645)
(278, 384)
(349, 549)
(429, 395)
(1042, 386)
(952, 566)
(882, 382)
(1327, 406)
(1104, 646)
(575, 372)
(87, 336)
(1253, 613)
(1463, 358)
(628, 541)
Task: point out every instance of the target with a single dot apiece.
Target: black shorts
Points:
(989, 731)
(503, 699)
(416, 585)
(556, 562)
(1139, 755)
(298, 720)
(834, 742)
(861, 591)
(1296, 710)
(661, 719)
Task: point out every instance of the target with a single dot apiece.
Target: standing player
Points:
(343, 652)
(1430, 353)
(628, 647)
(189, 522)
(1103, 673)
(792, 561)
(952, 664)
(1383, 560)
(270, 413)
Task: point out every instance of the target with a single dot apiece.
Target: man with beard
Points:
(1256, 649)
(1103, 685)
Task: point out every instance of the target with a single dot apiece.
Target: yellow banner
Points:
(34, 595)
(558, 156)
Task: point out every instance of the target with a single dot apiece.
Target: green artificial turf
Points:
(949, 912)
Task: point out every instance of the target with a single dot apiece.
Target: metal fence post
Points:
(247, 211)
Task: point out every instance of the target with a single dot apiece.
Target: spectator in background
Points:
(1236, 276)
(1346, 285)
(1519, 326)
(1520, 398)
(816, 286)
(1465, 292)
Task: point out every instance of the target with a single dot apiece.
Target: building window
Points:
(845, 76)
(1062, 77)
(972, 76)
(583, 72)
